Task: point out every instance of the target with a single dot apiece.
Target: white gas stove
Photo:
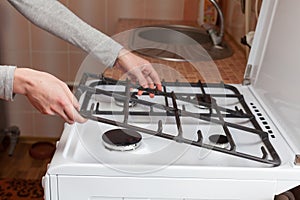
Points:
(193, 140)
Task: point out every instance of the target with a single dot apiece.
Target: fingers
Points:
(67, 106)
(159, 87)
(151, 78)
(73, 115)
(48, 94)
(151, 87)
(139, 68)
(68, 112)
(154, 78)
(71, 110)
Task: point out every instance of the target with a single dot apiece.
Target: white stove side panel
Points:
(275, 57)
(133, 188)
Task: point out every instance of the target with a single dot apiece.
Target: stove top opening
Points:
(120, 102)
(204, 99)
(121, 139)
(219, 140)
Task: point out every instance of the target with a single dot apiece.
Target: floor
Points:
(21, 165)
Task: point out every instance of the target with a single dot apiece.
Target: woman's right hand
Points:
(47, 94)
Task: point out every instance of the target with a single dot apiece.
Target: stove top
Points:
(186, 124)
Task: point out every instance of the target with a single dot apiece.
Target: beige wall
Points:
(235, 19)
(24, 44)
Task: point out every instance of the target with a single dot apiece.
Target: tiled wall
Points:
(25, 45)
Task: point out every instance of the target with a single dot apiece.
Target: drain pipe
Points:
(216, 37)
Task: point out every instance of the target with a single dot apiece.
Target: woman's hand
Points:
(47, 94)
(139, 70)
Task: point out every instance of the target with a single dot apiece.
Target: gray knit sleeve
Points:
(55, 18)
(6, 82)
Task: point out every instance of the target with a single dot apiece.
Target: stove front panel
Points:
(120, 188)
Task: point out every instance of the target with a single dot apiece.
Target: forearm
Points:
(55, 18)
(6, 82)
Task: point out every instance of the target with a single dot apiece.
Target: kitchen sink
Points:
(177, 43)
(172, 34)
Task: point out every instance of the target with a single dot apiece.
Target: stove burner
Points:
(120, 102)
(219, 140)
(203, 98)
(121, 139)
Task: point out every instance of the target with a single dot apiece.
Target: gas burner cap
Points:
(120, 102)
(121, 139)
(219, 140)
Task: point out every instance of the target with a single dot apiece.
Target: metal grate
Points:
(216, 114)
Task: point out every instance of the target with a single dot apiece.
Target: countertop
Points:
(228, 70)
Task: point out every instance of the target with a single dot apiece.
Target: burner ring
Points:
(121, 139)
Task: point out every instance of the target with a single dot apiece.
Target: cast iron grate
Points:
(215, 114)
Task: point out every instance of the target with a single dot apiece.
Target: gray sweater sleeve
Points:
(6, 82)
(55, 18)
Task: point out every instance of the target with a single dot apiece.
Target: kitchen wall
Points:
(235, 19)
(25, 45)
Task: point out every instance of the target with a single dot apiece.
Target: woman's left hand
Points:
(139, 70)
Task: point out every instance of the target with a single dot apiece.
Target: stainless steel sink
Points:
(175, 34)
(177, 43)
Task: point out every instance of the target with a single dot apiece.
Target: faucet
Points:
(216, 37)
